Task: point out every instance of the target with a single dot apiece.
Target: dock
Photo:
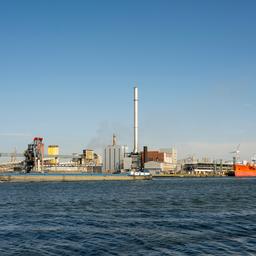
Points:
(185, 175)
(68, 177)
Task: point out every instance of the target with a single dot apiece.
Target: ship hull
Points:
(245, 170)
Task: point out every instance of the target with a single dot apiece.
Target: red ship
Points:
(245, 170)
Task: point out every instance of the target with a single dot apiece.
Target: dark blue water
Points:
(161, 217)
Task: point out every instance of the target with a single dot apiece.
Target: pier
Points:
(68, 177)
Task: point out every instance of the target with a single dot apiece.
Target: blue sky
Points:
(67, 71)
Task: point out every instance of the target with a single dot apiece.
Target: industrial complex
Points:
(114, 159)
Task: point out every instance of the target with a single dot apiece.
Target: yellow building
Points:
(53, 151)
(88, 154)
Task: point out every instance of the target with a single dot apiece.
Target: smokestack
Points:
(135, 150)
(114, 140)
(145, 150)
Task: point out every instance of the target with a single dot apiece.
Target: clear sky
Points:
(67, 71)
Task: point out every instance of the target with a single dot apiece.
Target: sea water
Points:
(186, 216)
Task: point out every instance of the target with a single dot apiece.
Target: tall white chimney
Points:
(136, 99)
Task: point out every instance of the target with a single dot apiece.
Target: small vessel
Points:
(139, 173)
(245, 170)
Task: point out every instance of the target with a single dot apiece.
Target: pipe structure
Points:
(136, 99)
(145, 154)
(114, 140)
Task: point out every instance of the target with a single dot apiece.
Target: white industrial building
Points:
(154, 167)
(172, 154)
(113, 157)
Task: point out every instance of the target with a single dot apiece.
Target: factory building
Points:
(154, 167)
(89, 159)
(113, 157)
(164, 160)
(53, 153)
(160, 156)
(88, 154)
(208, 168)
(172, 153)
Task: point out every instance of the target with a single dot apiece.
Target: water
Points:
(214, 216)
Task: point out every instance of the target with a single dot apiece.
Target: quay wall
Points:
(67, 177)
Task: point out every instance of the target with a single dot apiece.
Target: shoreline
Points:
(68, 177)
(163, 176)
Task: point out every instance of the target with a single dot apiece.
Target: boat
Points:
(245, 170)
(140, 173)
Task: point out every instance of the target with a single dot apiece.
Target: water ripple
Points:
(160, 217)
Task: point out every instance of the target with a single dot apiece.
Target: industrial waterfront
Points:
(116, 159)
(128, 128)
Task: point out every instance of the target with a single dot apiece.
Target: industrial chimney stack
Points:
(136, 99)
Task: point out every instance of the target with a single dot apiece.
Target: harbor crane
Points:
(236, 154)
